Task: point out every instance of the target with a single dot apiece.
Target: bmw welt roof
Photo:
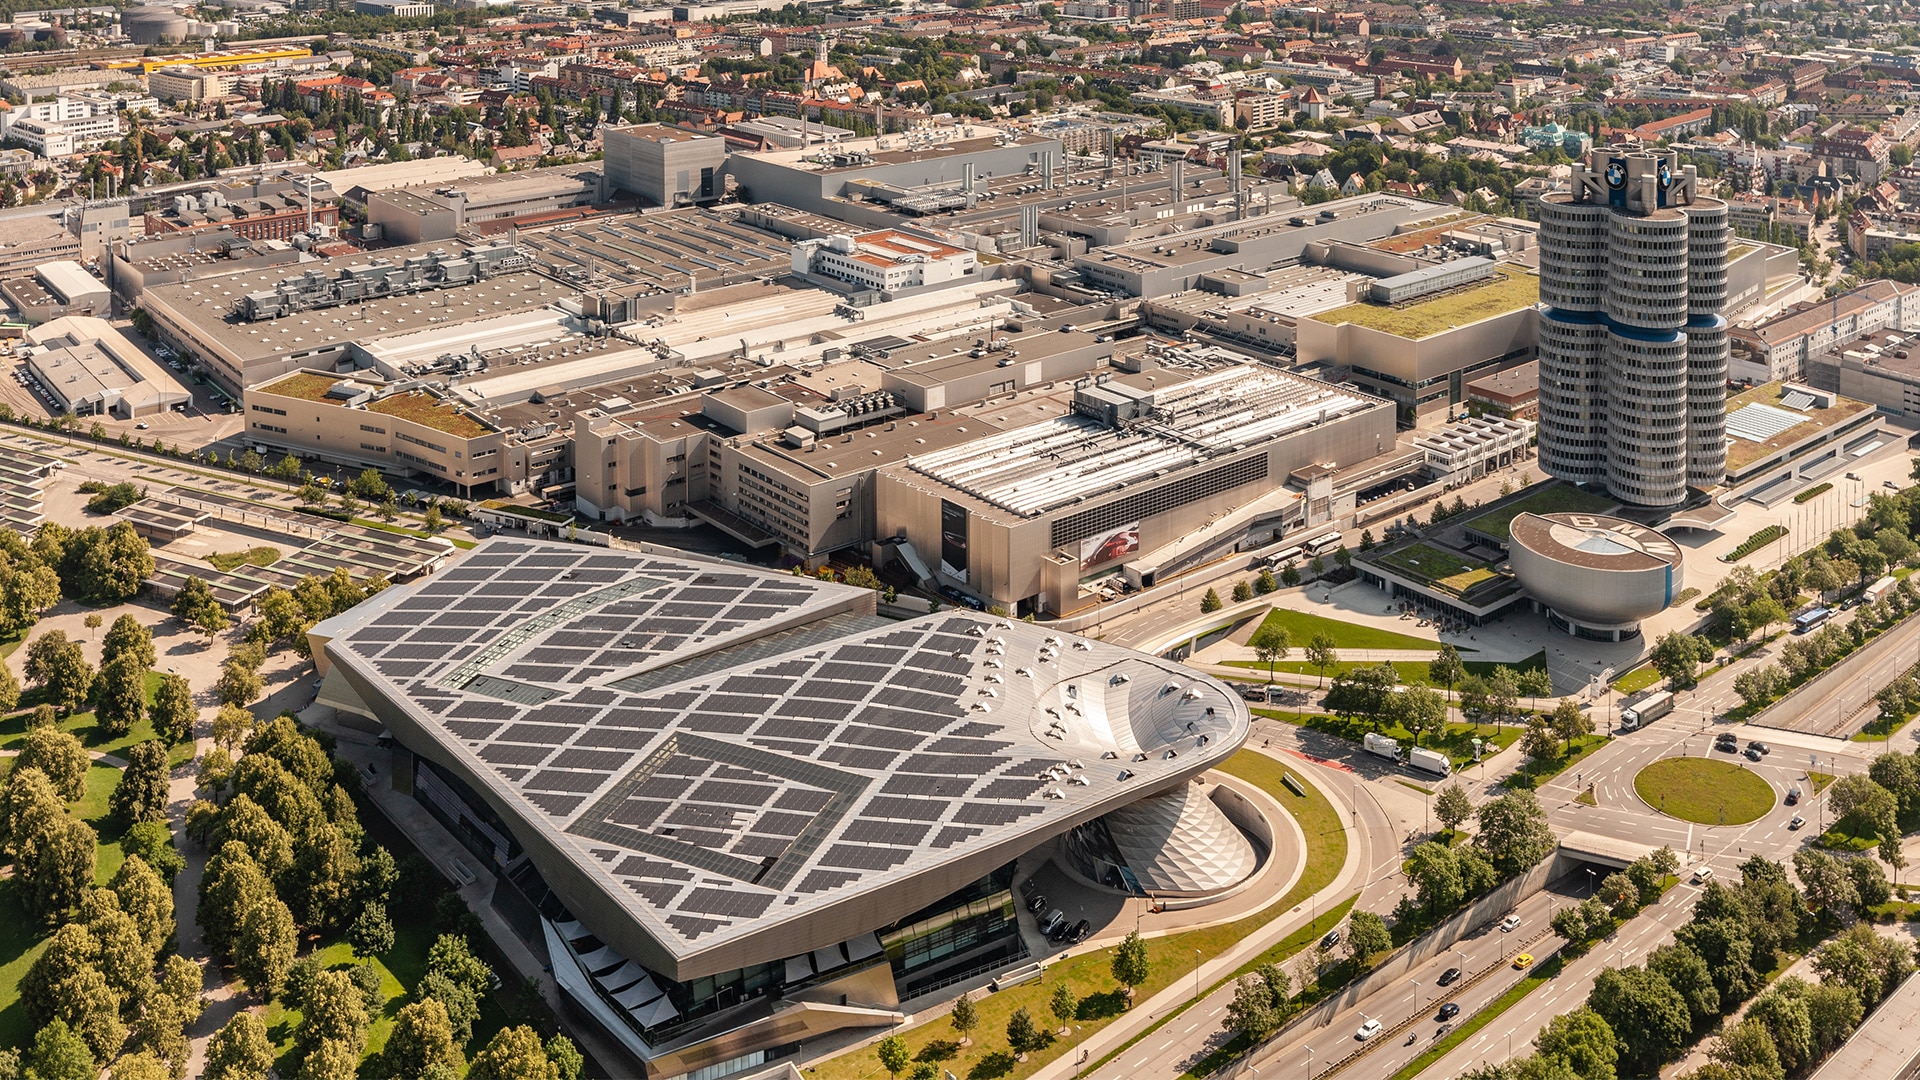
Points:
(715, 765)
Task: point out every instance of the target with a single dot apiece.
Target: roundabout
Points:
(1704, 791)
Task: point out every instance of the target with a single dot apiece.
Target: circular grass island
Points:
(1704, 791)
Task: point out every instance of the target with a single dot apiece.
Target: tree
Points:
(1367, 936)
(1782, 1010)
(964, 1018)
(1747, 1048)
(141, 794)
(173, 712)
(1210, 602)
(1265, 583)
(1420, 710)
(1446, 667)
(1321, 653)
(1130, 963)
(146, 900)
(59, 667)
(1641, 1002)
(1289, 575)
(106, 566)
(120, 696)
(231, 726)
(1434, 871)
(1022, 1036)
(59, 756)
(514, 1053)
(330, 1061)
(1538, 741)
(1258, 1004)
(60, 1054)
(1677, 656)
(372, 932)
(1620, 894)
(422, 1038)
(264, 945)
(238, 684)
(1570, 722)
(1828, 886)
(145, 1065)
(333, 1011)
(1583, 1041)
(126, 637)
(1452, 807)
(1271, 643)
(1869, 805)
(1534, 682)
(1064, 1005)
(1514, 831)
(566, 1057)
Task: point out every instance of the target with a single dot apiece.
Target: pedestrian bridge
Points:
(1602, 850)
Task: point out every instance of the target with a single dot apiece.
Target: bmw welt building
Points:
(741, 809)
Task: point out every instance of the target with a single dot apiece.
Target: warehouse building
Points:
(773, 815)
(664, 166)
(91, 369)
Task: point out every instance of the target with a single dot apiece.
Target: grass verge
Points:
(1455, 740)
(1535, 773)
(1637, 680)
(1488, 1015)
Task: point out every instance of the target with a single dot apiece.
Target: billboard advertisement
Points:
(1118, 544)
(953, 539)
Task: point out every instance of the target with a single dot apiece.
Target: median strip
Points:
(1481, 1019)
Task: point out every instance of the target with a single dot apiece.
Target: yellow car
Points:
(1523, 961)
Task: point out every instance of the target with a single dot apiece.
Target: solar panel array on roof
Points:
(801, 757)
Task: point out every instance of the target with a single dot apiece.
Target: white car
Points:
(1509, 924)
(1367, 1030)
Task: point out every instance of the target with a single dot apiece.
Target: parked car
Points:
(1509, 924)
(1449, 977)
(1080, 931)
(1447, 1012)
(1037, 904)
(1367, 1030)
(1061, 933)
(1052, 921)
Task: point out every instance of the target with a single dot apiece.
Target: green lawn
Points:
(1555, 499)
(1089, 973)
(1506, 291)
(13, 728)
(1301, 626)
(1456, 740)
(400, 967)
(1638, 679)
(1704, 791)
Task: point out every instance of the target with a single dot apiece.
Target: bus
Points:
(1320, 545)
(1282, 557)
(1808, 621)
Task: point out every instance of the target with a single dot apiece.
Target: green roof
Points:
(1556, 498)
(1510, 290)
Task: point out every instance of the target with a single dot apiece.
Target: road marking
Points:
(1191, 1026)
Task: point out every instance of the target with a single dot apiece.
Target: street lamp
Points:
(1079, 1056)
(1196, 974)
(1309, 1063)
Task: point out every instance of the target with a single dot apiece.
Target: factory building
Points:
(664, 166)
(913, 172)
(886, 261)
(91, 369)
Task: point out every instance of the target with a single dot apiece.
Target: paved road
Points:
(1411, 1007)
(1193, 1034)
(1841, 701)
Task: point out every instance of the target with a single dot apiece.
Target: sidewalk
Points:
(1143, 1013)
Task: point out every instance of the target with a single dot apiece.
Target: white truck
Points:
(1430, 760)
(1646, 710)
(1377, 743)
(1877, 590)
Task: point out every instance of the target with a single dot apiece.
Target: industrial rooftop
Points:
(1032, 469)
